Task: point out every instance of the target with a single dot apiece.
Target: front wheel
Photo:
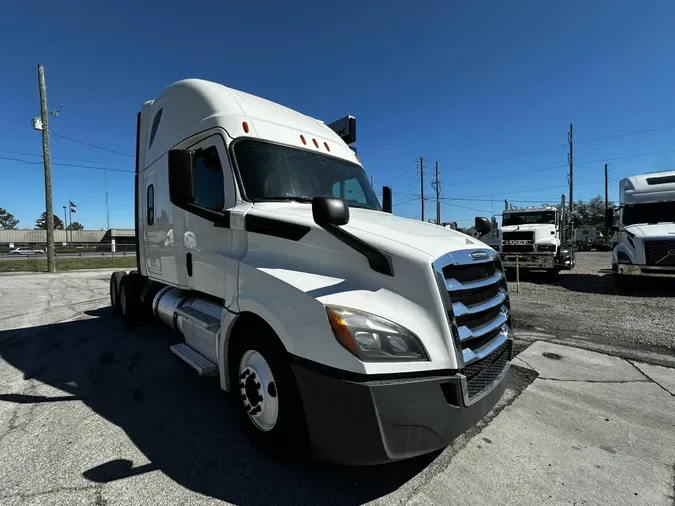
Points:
(552, 273)
(623, 282)
(268, 395)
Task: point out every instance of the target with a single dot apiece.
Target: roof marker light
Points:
(245, 126)
(302, 138)
(315, 143)
(327, 146)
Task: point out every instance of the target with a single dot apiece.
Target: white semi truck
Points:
(645, 233)
(339, 327)
(539, 237)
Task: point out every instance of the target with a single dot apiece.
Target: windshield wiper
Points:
(297, 198)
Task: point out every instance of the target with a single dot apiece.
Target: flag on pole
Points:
(73, 206)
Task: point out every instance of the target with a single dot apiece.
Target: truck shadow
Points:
(601, 283)
(185, 425)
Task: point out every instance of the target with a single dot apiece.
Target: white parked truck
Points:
(540, 238)
(339, 327)
(646, 226)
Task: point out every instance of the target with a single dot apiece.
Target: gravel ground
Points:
(582, 307)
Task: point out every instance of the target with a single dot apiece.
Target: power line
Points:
(29, 162)
(92, 145)
(464, 207)
(512, 157)
(65, 158)
(406, 201)
(635, 132)
(551, 148)
(626, 157)
(562, 166)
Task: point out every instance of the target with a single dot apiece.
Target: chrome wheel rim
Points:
(258, 390)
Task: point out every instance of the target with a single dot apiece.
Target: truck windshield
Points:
(653, 212)
(541, 218)
(271, 172)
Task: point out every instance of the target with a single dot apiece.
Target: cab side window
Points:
(209, 180)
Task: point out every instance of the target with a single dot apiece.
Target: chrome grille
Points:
(518, 242)
(478, 301)
(660, 253)
(481, 374)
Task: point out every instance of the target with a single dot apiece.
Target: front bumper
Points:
(645, 270)
(351, 421)
(529, 260)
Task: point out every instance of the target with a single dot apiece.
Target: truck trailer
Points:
(645, 233)
(343, 331)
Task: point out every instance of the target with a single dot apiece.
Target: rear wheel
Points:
(130, 300)
(261, 378)
(115, 283)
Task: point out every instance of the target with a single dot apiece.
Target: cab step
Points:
(201, 364)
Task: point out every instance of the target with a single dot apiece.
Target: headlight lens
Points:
(373, 339)
(546, 247)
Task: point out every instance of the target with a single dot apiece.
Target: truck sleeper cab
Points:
(341, 328)
(645, 232)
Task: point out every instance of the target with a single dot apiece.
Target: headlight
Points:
(546, 247)
(373, 339)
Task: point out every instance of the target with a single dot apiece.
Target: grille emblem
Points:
(479, 255)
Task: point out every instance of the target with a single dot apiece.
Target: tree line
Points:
(9, 222)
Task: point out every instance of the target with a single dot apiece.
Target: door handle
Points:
(188, 264)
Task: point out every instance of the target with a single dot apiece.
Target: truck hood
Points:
(542, 233)
(426, 237)
(659, 230)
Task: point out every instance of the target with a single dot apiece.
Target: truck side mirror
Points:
(482, 225)
(386, 199)
(181, 180)
(330, 211)
(609, 217)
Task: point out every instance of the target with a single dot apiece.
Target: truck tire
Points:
(130, 300)
(268, 395)
(622, 282)
(115, 283)
(552, 273)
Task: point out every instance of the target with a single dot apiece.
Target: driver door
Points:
(206, 249)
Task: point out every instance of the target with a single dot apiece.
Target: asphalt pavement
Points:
(94, 413)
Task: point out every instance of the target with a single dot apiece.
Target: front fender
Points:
(287, 301)
(625, 249)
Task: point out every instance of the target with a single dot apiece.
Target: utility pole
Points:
(570, 160)
(107, 209)
(46, 158)
(422, 184)
(65, 222)
(436, 185)
(606, 205)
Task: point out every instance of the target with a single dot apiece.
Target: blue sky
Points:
(461, 83)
